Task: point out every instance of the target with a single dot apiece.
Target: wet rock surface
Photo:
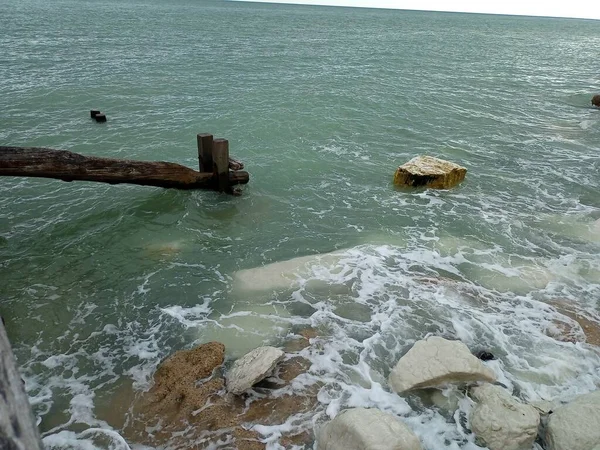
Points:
(576, 425)
(435, 362)
(252, 368)
(502, 422)
(188, 407)
(427, 171)
(367, 429)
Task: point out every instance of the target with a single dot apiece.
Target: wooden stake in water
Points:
(220, 158)
(205, 150)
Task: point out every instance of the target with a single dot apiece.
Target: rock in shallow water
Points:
(367, 429)
(501, 421)
(252, 368)
(188, 406)
(576, 425)
(435, 362)
(427, 171)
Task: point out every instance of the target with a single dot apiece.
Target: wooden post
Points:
(221, 163)
(205, 151)
(18, 430)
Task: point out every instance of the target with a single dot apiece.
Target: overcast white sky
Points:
(567, 8)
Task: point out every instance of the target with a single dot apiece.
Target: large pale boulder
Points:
(502, 422)
(576, 425)
(252, 368)
(427, 171)
(435, 362)
(366, 429)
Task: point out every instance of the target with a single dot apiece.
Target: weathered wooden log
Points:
(69, 166)
(18, 430)
(221, 163)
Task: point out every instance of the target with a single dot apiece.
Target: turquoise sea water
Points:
(98, 283)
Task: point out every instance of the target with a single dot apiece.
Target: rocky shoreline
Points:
(196, 403)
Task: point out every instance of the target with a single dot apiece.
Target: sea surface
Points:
(99, 283)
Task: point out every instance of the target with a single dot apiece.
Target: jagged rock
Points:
(188, 406)
(367, 429)
(435, 362)
(252, 368)
(502, 422)
(427, 171)
(576, 425)
(176, 376)
(596, 100)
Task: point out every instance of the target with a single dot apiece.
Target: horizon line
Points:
(343, 4)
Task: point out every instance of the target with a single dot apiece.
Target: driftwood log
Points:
(17, 424)
(69, 166)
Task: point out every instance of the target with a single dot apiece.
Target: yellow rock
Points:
(427, 171)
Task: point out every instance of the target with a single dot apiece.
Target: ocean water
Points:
(98, 283)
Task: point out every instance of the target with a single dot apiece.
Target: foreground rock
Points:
(427, 171)
(366, 429)
(189, 408)
(500, 421)
(435, 362)
(175, 380)
(576, 425)
(252, 368)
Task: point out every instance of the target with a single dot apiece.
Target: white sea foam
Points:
(353, 358)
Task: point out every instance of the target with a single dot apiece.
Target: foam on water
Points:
(100, 283)
(403, 298)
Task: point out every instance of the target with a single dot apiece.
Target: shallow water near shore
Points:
(99, 283)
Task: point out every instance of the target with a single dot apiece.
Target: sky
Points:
(589, 9)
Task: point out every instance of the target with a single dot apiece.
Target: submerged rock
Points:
(246, 326)
(446, 401)
(435, 362)
(502, 422)
(427, 171)
(282, 274)
(367, 429)
(581, 328)
(252, 368)
(576, 425)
